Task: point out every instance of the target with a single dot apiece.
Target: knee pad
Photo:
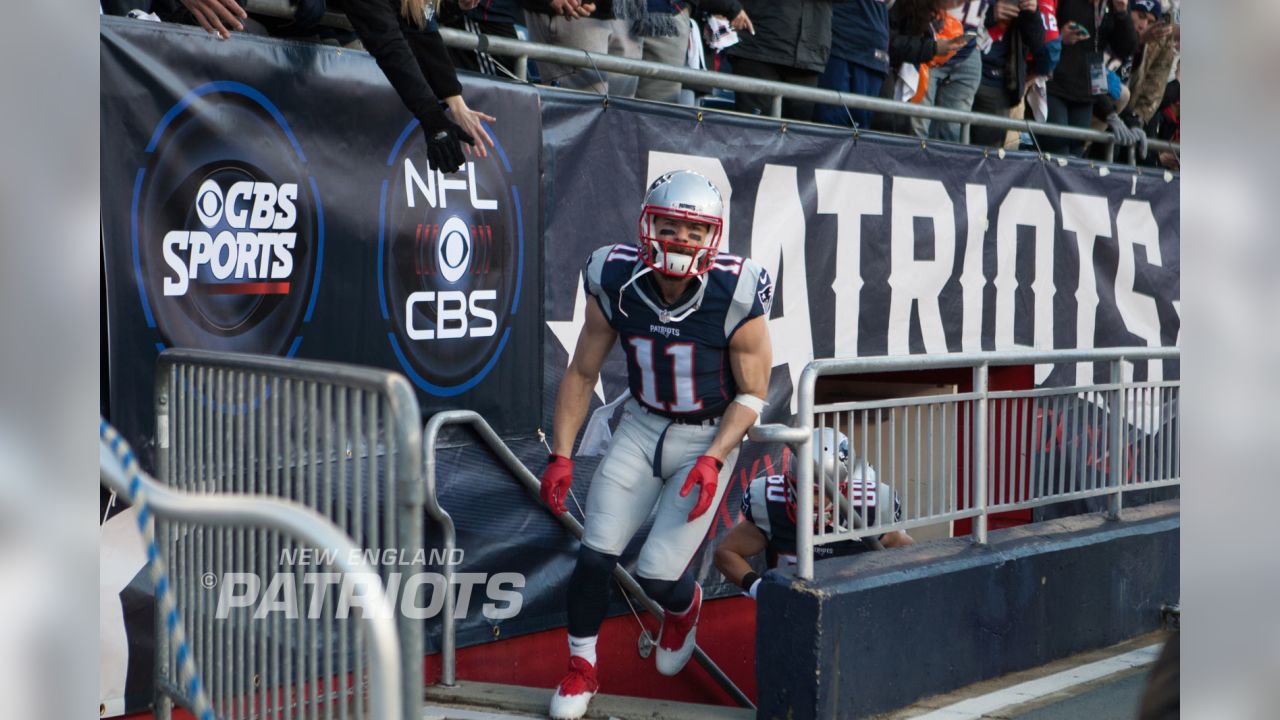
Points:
(673, 595)
(593, 565)
(589, 591)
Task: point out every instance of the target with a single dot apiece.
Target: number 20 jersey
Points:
(678, 369)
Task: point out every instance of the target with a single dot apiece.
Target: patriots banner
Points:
(878, 245)
(273, 197)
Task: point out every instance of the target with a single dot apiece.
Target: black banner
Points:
(271, 197)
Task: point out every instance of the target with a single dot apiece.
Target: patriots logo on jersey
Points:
(766, 292)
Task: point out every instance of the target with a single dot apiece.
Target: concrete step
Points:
(1063, 688)
(491, 701)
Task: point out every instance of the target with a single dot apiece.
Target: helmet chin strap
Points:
(663, 314)
(634, 277)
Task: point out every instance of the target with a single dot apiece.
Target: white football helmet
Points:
(830, 459)
(830, 455)
(681, 195)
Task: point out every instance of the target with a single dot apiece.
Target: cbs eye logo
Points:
(451, 259)
(228, 242)
(451, 314)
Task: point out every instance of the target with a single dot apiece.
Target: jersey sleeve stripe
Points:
(744, 302)
(593, 278)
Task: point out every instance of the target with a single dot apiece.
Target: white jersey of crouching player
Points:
(769, 512)
(692, 322)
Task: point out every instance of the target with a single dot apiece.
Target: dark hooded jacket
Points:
(791, 33)
(1114, 34)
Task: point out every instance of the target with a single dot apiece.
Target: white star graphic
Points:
(567, 331)
(1177, 308)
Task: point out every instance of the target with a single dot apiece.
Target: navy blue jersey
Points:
(678, 368)
(764, 504)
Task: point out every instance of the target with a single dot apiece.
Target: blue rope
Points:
(159, 575)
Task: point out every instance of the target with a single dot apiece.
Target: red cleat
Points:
(676, 638)
(575, 690)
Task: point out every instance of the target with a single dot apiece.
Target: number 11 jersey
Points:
(678, 367)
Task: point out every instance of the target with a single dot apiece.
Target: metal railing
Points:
(524, 51)
(966, 455)
(246, 662)
(525, 477)
(344, 441)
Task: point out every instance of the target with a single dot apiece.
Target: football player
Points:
(692, 322)
(768, 521)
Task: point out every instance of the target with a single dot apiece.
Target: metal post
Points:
(448, 643)
(964, 133)
(411, 496)
(161, 671)
(804, 521)
(522, 68)
(980, 374)
(1116, 455)
(1110, 155)
(804, 474)
(775, 106)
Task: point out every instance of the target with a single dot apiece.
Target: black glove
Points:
(444, 142)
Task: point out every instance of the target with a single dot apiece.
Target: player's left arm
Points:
(751, 360)
(744, 541)
(897, 538)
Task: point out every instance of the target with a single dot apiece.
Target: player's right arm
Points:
(594, 343)
(743, 541)
(574, 397)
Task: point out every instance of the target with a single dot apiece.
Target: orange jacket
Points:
(951, 27)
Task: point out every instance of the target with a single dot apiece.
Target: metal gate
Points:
(341, 440)
(966, 455)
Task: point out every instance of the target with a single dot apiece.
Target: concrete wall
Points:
(878, 631)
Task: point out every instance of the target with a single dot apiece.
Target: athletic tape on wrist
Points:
(752, 402)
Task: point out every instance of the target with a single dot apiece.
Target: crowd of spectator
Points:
(1110, 65)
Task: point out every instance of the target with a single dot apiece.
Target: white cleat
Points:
(676, 638)
(575, 691)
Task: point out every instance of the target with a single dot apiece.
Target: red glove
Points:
(705, 474)
(556, 480)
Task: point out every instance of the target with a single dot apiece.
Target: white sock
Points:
(584, 647)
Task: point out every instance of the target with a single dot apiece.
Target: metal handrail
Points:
(461, 40)
(525, 477)
(800, 436)
(301, 524)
